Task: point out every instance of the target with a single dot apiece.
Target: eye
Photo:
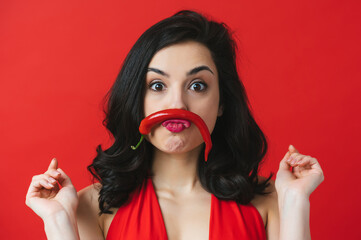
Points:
(156, 86)
(198, 86)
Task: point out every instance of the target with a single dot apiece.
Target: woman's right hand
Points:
(47, 199)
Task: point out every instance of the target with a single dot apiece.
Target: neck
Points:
(176, 172)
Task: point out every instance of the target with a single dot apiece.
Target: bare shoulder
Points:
(89, 193)
(267, 205)
(89, 222)
(265, 201)
(271, 190)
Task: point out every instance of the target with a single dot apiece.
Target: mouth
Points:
(175, 116)
(176, 125)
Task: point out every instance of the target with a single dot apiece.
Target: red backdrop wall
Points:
(299, 60)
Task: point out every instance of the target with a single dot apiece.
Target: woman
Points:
(165, 188)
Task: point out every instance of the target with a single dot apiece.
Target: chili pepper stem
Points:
(140, 141)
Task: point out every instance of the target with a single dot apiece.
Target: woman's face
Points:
(182, 76)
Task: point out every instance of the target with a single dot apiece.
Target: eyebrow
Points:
(191, 72)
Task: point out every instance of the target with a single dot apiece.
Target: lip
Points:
(155, 118)
(176, 125)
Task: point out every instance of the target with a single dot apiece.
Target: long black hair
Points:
(238, 143)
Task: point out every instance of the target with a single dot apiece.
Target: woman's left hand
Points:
(305, 176)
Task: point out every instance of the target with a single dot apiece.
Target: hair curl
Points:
(238, 143)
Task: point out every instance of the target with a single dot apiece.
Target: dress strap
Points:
(141, 218)
(230, 220)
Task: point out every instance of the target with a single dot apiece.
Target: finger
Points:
(53, 173)
(292, 149)
(51, 180)
(295, 155)
(308, 160)
(46, 181)
(46, 184)
(63, 179)
(38, 183)
(53, 164)
(284, 165)
(302, 161)
(295, 158)
(43, 177)
(296, 170)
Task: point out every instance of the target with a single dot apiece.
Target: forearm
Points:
(294, 211)
(61, 226)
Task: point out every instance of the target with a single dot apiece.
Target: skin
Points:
(185, 205)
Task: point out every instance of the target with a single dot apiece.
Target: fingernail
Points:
(51, 180)
(51, 185)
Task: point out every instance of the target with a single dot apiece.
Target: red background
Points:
(299, 60)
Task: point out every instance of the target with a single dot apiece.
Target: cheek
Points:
(211, 122)
(153, 103)
(209, 113)
(149, 105)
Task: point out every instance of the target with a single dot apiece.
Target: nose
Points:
(177, 99)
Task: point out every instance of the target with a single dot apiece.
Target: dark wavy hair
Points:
(238, 143)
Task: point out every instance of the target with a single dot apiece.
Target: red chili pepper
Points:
(160, 116)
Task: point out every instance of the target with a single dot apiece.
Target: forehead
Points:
(182, 57)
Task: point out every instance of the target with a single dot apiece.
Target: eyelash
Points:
(153, 84)
(202, 83)
(199, 82)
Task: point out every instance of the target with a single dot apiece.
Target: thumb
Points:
(283, 164)
(292, 149)
(64, 179)
(53, 164)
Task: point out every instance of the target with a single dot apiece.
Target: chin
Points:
(175, 145)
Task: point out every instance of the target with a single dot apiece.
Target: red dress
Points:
(142, 219)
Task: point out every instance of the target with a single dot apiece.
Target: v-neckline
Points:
(161, 214)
